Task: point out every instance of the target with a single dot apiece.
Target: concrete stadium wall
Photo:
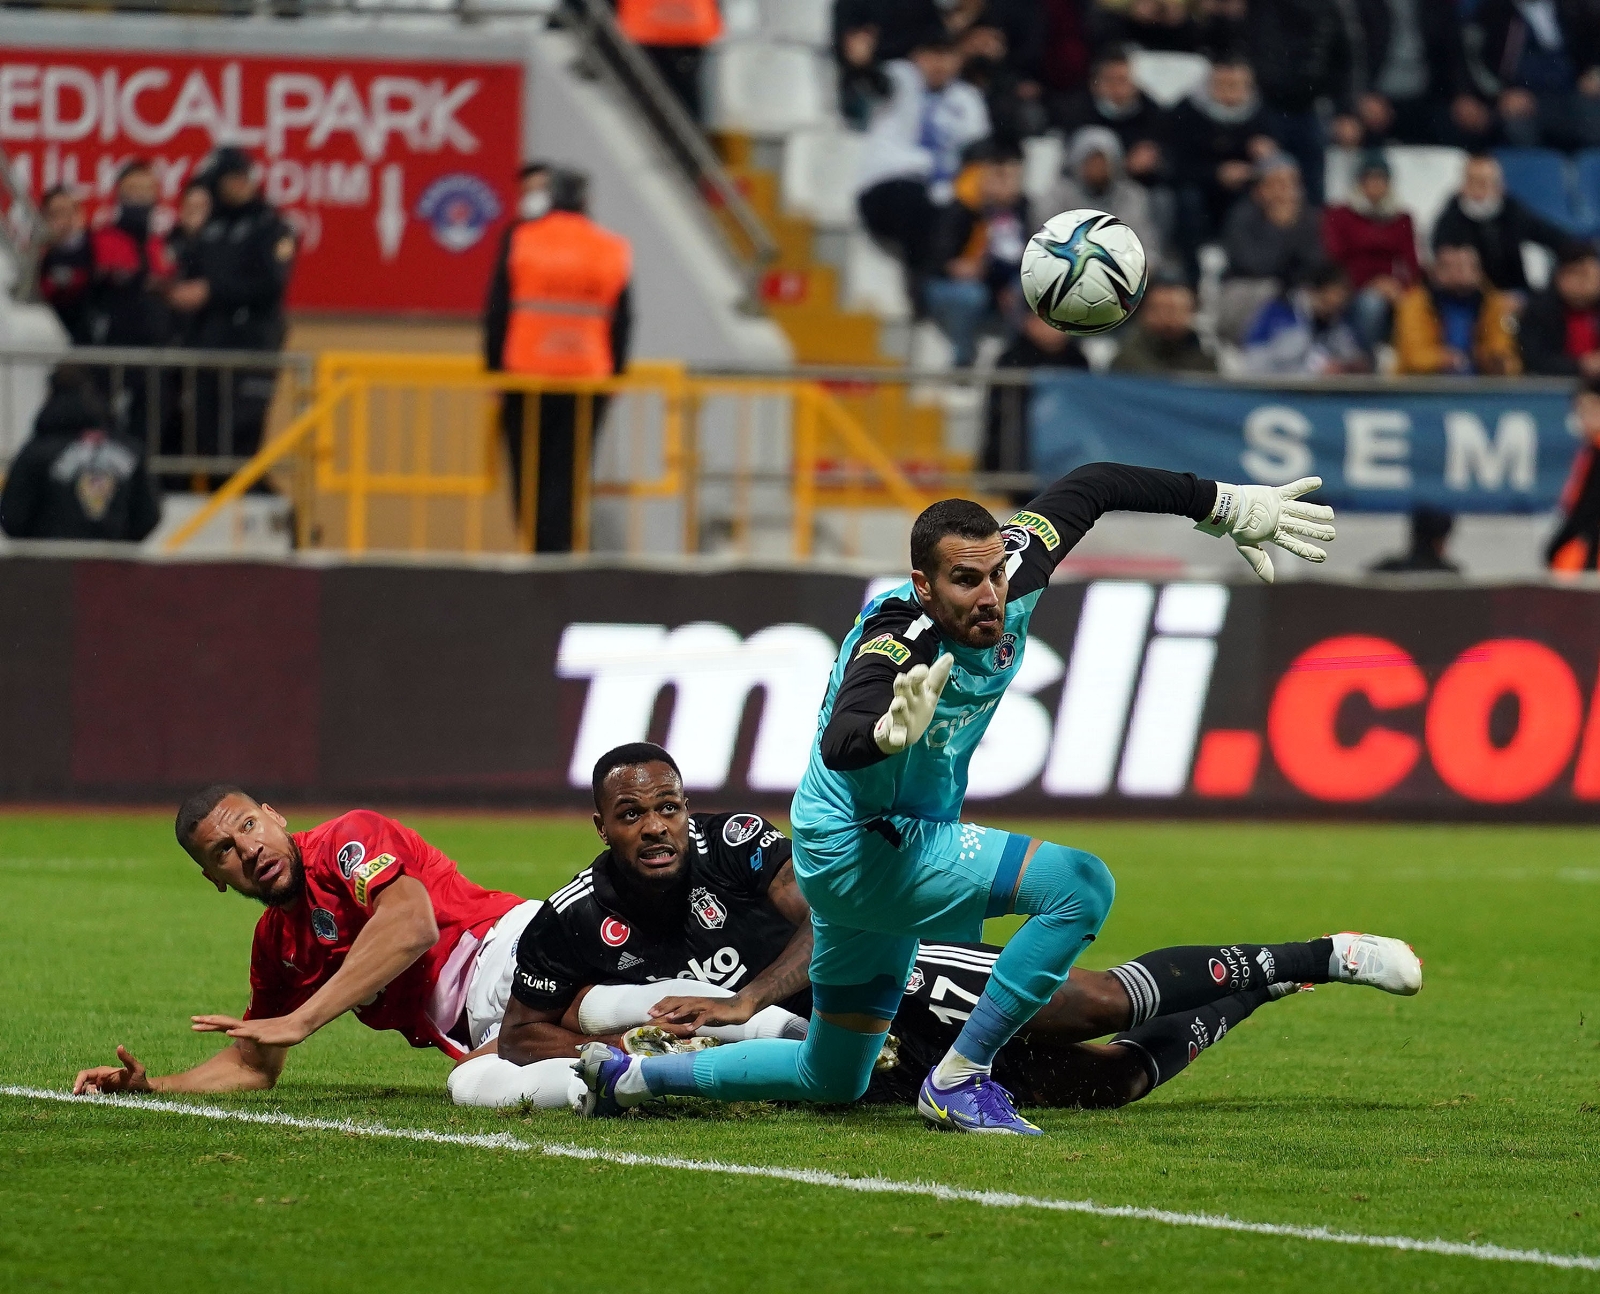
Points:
(123, 680)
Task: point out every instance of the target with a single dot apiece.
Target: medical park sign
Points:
(1380, 447)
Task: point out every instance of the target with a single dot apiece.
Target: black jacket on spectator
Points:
(1146, 122)
(953, 239)
(1499, 240)
(1197, 145)
(1543, 336)
(1441, 43)
(899, 22)
(1502, 32)
(66, 272)
(245, 253)
(76, 478)
(1300, 50)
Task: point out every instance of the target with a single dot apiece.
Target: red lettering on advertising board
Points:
(1586, 774)
(397, 175)
(1302, 721)
(1549, 713)
(1225, 768)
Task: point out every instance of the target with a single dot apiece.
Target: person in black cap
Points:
(243, 255)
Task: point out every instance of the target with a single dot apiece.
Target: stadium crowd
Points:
(948, 92)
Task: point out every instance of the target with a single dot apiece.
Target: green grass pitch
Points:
(1469, 1113)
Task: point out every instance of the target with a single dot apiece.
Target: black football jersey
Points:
(943, 987)
(727, 934)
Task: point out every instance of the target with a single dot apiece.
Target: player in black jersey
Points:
(711, 899)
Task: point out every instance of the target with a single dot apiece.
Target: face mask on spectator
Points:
(1482, 208)
(533, 205)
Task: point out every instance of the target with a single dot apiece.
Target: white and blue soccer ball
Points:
(1084, 272)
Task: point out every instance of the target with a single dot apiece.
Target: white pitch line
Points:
(814, 1177)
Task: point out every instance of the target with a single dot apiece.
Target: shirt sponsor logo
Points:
(741, 828)
(885, 645)
(350, 855)
(614, 933)
(1040, 526)
(536, 983)
(708, 909)
(1005, 652)
(915, 983)
(324, 926)
(458, 208)
(367, 872)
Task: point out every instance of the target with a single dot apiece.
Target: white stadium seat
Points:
(1042, 157)
(874, 280)
(820, 165)
(1423, 179)
(805, 22)
(766, 89)
(1168, 76)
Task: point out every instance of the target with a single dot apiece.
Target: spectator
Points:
(1576, 544)
(1417, 89)
(1560, 332)
(1375, 243)
(1307, 331)
(863, 84)
(533, 190)
(1215, 139)
(132, 267)
(1496, 223)
(1273, 241)
(544, 320)
(673, 34)
(1094, 179)
(66, 268)
(78, 477)
(1012, 95)
(914, 146)
(1430, 534)
(1114, 101)
(242, 262)
(1161, 338)
(1456, 322)
(896, 25)
(183, 249)
(1006, 432)
(1066, 50)
(979, 246)
(1149, 24)
(1300, 50)
(1543, 57)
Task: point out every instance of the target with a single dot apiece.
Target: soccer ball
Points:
(1084, 272)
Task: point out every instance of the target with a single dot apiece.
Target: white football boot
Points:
(1376, 961)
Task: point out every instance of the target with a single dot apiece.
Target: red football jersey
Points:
(348, 863)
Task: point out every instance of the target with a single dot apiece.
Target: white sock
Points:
(612, 1008)
(631, 1089)
(769, 1022)
(956, 1068)
(494, 1083)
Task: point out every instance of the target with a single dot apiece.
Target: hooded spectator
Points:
(1273, 241)
(1560, 332)
(979, 244)
(1215, 138)
(1496, 223)
(914, 147)
(1161, 336)
(1543, 59)
(1375, 243)
(1094, 178)
(1576, 544)
(78, 477)
(66, 268)
(1430, 536)
(1307, 331)
(1416, 87)
(1456, 322)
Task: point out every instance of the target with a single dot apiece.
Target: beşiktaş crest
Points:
(708, 908)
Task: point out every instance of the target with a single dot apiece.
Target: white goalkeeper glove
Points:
(1252, 515)
(916, 696)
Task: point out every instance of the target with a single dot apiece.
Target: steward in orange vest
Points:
(558, 307)
(673, 35)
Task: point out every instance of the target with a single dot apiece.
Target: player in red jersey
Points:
(362, 915)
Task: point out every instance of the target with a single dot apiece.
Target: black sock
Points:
(1171, 1043)
(1180, 979)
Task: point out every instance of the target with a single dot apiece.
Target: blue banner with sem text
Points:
(1376, 449)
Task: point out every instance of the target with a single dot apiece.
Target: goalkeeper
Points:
(879, 851)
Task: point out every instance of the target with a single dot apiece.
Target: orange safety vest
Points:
(566, 275)
(669, 22)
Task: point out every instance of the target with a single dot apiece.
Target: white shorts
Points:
(489, 989)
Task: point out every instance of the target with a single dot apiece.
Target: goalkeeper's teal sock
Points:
(832, 1065)
(1068, 894)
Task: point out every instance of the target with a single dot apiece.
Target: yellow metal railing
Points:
(420, 434)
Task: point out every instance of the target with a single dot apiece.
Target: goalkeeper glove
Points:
(916, 696)
(1253, 515)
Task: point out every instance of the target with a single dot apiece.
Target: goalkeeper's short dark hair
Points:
(625, 756)
(960, 517)
(196, 808)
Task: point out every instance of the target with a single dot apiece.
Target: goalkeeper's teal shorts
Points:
(876, 890)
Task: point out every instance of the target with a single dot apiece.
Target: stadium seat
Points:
(1168, 76)
(1586, 196)
(820, 165)
(1539, 177)
(803, 22)
(760, 88)
(874, 280)
(1042, 157)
